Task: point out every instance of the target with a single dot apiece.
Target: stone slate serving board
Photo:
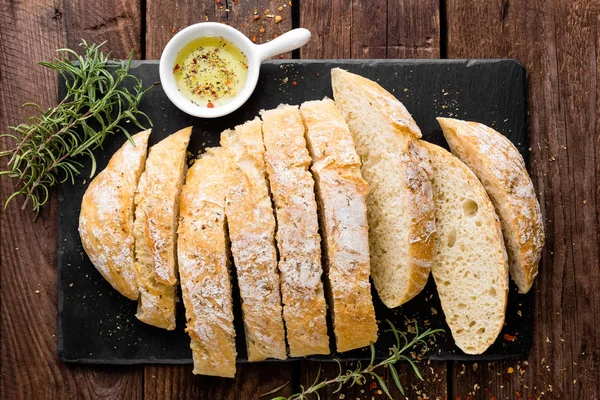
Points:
(97, 325)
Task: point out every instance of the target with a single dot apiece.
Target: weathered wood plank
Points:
(31, 31)
(255, 18)
(371, 29)
(375, 29)
(558, 42)
(164, 19)
(413, 29)
(251, 381)
(118, 22)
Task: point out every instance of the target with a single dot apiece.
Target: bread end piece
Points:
(400, 211)
(388, 107)
(501, 168)
(341, 196)
(155, 229)
(469, 267)
(106, 217)
(203, 255)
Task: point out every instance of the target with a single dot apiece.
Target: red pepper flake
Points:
(262, 29)
(275, 36)
(294, 83)
(373, 386)
(218, 2)
(256, 17)
(210, 105)
(509, 338)
(318, 75)
(177, 67)
(173, 31)
(253, 38)
(519, 395)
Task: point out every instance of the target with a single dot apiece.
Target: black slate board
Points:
(97, 325)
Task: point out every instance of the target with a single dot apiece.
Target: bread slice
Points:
(341, 195)
(400, 202)
(298, 239)
(252, 231)
(500, 167)
(469, 267)
(106, 217)
(203, 255)
(155, 228)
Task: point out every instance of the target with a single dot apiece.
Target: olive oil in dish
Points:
(210, 71)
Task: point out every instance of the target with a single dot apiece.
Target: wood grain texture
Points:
(371, 29)
(30, 31)
(165, 18)
(558, 42)
(375, 29)
(251, 380)
(118, 22)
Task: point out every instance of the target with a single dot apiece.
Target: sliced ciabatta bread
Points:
(500, 167)
(469, 267)
(106, 217)
(251, 225)
(155, 229)
(400, 203)
(203, 257)
(298, 239)
(341, 195)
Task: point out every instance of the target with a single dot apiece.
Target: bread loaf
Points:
(106, 217)
(469, 267)
(400, 204)
(341, 195)
(155, 228)
(500, 167)
(252, 232)
(298, 239)
(203, 256)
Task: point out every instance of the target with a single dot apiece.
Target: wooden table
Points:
(558, 41)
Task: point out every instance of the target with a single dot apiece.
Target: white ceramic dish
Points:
(255, 54)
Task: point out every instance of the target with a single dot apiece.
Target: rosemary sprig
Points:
(47, 146)
(358, 376)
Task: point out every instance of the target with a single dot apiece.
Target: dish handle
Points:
(289, 41)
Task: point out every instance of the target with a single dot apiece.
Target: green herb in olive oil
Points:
(210, 71)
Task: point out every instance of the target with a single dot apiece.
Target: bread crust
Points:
(203, 257)
(390, 109)
(501, 168)
(363, 104)
(155, 226)
(475, 318)
(106, 217)
(298, 239)
(252, 232)
(341, 195)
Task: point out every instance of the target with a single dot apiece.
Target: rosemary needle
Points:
(49, 146)
(359, 374)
